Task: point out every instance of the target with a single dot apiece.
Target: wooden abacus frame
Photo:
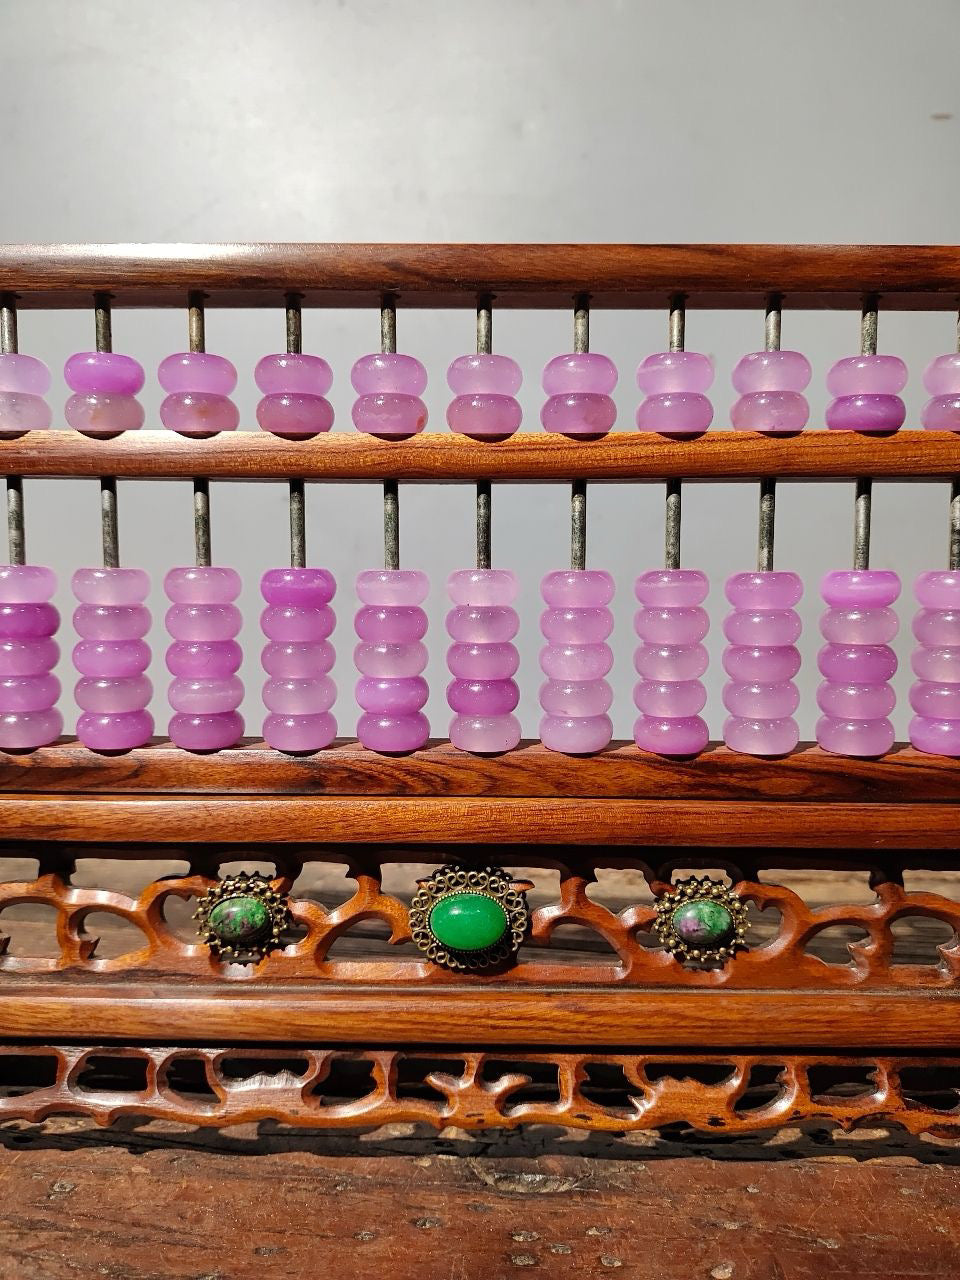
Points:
(622, 807)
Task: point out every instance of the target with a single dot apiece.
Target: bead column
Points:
(298, 620)
(576, 623)
(671, 622)
(482, 625)
(202, 619)
(390, 625)
(762, 657)
(111, 619)
(28, 621)
(857, 662)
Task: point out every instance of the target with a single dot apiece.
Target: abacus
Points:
(718, 1002)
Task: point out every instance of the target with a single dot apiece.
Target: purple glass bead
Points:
(392, 586)
(389, 413)
(390, 661)
(768, 627)
(875, 375)
(210, 659)
(26, 584)
(205, 692)
(110, 587)
(483, 661)
(859, 626)
(855, 701)
(478, 587)
(759, 663)
(28, 657)
(297, 734)
(941, 376)
(863, 663)
(935, 696)
(942, 413)
(297, 661)
(483, 374)
(769, 737)
(103, 413)
(28, 621)
(676, 413)
(392, 697)
(297, 624)
(100, 372)
(203, 621)
(575, 661)
(24, 730)
(202, 695)
(111, 623)
(580, 372)
(389, 372)
(775, 412)
(397, 655)
(28, 693)
(771, 371)
(111, 659)
(391, 734)
(294, 413)
(485, 735)
(866, 413)
(482, 624)
(297, 620)
(483, 695)
(390, 624)
(671, 624)
(24, 374)
(672, 371)
(113, 695)
(860, 588)
(855, 737)
(120, 732)
(198, 413)
(306, 588)
(484, 414)
(21, 412)
(202, 584)
(197, 371)
(579, 413)
(293, 373)
(212, 732)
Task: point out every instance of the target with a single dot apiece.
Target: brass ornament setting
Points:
(701, 919)
(469, 918)
(242, 918)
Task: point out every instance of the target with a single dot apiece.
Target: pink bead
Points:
(205, 692)
(109, 659)
(866, 413)
(871, 664)
(206, 732)
(672, 371)
(484, 415)
(671, 624)
(576, 695)
(749, 627)
(676, 736)
(856, 701)
(937, 737)
(110, 587)
(198, 413)
(293, 413)
(485, 735)
(307, 588)
(871, 374)
(771, 371)
(22, 412)
(859, 626)
(770, 701)
(761, 661)
(103, 371)
(483, 661)
(202, 584)
(576, 735)
(855, 737)
(677, 413)
(389, 414)
(390, 624)
(482, 624)
(24, 374)
(861, 588)
(686, 624)
(28, 693)
(576, 661)
(396, 656)
(587, 372)
(482, 586)
(390, 661)
(203, 696)
(927, 698)
(935, 696)
(570, 699)
(670, 588)
(103, 413)
(111, 622)
(197, 371)
(483, 697)
(393, 733)
(577, 588)
(484, 374)
(939, 589)
(937, 627)
(299, 733)
(769, 737)
(113, 695)
(24, 730)
(768, 589)
(28, 657)
(941, 376)
(293, 373)
(211, 659)
(942, 413)
(203, 621)
(120, 732)
(26, 584)
(941, 663)
(572, 626)
(297, 661)
(28, 621)
(669, 699)
(671, 661)
(297, 624)
(392, 586)
(775, 412)
(579, 413)
(392, 697)
(388, 371)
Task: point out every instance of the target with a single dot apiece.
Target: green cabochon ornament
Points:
(468, 918)
(701, 920)
(242, 918)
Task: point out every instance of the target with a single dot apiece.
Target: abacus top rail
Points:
(901, 277)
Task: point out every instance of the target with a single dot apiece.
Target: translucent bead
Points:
(772, 371)
(297, 621)
(392, 697)
(941, 376)
(856, 697)
(293, 413)
(199, 371)
(26, 584)
(935, 696)
(28, 693)
(204, 657)
(482, 694)
(579, 413)
(212, 732)
(576, 695)
(484, 374)
(299, 733)
(942, 413)
(297, 624)
(202, 584)
(392, 613)
(388, 371)
(297, 661)
(577, 372)
(111, 658)
(866, 413)
(293, 373)
(23, 374)
(198, 413)
(24, 730)
(103, 372)
(670, 659)
(674, 383)
(203, 621)
(669, 371)
(942, 379)
(866, 389)
(678, 413)
(31, 621)
(484, 414)
(775, 412)
(389, 414)
(22, 412)
(103, 413)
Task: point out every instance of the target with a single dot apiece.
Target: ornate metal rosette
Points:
(242, 918)
(447, 887)
(700, 919)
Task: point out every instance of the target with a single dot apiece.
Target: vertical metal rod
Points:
(391, 489)
(298, 507)
(484, 487)
(954, 549)
(109, 530)
(578, 489)
(863, 501)
(676, 333)
(768, 488)
(16, 536)
(196, 328)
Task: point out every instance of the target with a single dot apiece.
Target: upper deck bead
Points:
(867, 375)
(106, 372)
(24, 374)
(22, 412)
(481, 373)
(671, 371)
(484, 414)
(294, 413)
(675, 413)
(389, 413)
(293, 373)
(579, 372)
(198, 413)
(197, 371)
(776, 412)
(941, 376)
(772, 371)
(388, 372)
(866, 413)
(578, 413)
(942, 413)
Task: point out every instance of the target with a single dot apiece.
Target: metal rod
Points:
(297, 494)
(196, 328)
(109, 524)
(391, 490)
(863, 501)
(16, 534)
(676, 332)
(484, 487)
(768, 488)
(578, 489)
(954, 558)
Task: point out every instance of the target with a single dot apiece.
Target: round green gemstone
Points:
(467, 922)
(703, 923)
(241, 920)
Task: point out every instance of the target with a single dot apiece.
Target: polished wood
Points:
(439, 769)
(904, 277)
(528, 457)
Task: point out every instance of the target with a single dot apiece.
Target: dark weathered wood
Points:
(904, 277)
(441, 457)
(247, 1209)
(439, 769)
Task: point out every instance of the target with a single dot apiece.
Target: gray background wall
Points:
(522, 120)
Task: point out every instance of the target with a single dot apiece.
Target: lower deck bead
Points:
(942, 413)
(28, 693)
(576, 735)
(112, 656)
(575, 661)
(485, 735)
(675, 413)
(671, 624)
(20, 411)
(24, 730)
(767, 737)
(773, 412)
(390, 609)
(935, 695)
(299, 733)
(120, 731)
(676, 736)
(206, 732)
(204, 657)
(300, 693)
(855, 737)
(393, 733)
